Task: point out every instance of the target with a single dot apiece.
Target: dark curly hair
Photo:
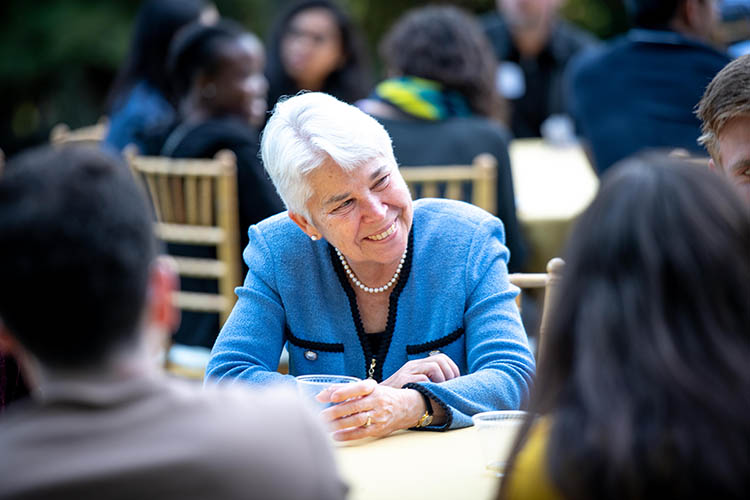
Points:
(447, 45)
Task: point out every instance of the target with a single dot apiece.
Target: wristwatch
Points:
(426, 419)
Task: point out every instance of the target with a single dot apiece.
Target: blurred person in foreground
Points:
(217, 76)
(316, 46)
(533, 45)
(725, 113)
(638, 91)
(440, 106)
(139, 101)
(357, 280)
(643, 389)
(104, 422)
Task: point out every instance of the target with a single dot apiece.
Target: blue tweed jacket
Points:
(453, 295)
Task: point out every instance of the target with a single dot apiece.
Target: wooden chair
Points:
(549, 281)
(195, 201)
(92, 134)
(448, 181)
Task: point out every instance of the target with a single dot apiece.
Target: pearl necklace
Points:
(361, 285)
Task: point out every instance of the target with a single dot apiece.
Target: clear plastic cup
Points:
(310, 386)
(497, 432)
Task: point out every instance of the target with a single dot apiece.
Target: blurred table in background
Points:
(553, 184)
(417, 465)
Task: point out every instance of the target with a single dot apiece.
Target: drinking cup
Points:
(310, 386)
(497, 432)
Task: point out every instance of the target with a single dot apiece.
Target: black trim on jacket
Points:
(426, 392)
(312, 345)
(392, 308)
(435, 344)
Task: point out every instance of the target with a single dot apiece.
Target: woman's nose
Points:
(374, 208)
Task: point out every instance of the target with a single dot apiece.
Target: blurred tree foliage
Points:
(58, 57)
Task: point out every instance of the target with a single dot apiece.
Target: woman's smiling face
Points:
(366, 213)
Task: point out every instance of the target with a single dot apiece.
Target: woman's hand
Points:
(369, 409)
(435, 368)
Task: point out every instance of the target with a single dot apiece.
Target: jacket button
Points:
(311, 355)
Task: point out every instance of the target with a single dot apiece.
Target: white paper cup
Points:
(497, 432)
(310, 386)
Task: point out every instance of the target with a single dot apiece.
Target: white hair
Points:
(309, 128)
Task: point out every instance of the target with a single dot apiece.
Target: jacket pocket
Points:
(413, 350)
(312, 357)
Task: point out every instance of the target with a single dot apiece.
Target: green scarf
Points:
(421, 98)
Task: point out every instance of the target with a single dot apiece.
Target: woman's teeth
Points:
(384, 234)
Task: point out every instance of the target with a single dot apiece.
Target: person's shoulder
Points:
(224, 132)
(530, 477)
(458, 131)
(453, 215)
(594, 60)
(491, 21)
(572, 38)
(480, 125)
(457, 224)
(495, 28)
(279, 231)
(235, 407)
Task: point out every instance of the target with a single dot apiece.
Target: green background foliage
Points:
(58, 57)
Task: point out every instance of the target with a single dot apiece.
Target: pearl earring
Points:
(314, 237)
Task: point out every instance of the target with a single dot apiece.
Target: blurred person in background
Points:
(139, 100)
(217, 75)
(643, 388)
(439, 104)
(104, 421)
(533, 46)
(316, 46)
(725, 113)
(639, 90)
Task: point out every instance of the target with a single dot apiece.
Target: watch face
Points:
(427, 420)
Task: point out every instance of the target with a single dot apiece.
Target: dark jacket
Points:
(639, 91)
(542, 76)
(457, 141)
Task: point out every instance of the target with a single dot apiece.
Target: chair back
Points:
(195, 201)
(92, 134)
(448, 181)
(549, 281)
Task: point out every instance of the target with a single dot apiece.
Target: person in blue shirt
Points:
(639, 90)
(139, 100)
(356, 279)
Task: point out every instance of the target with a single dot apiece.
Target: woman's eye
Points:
(382, 182)
(342, 206)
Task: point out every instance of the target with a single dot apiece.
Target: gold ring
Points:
(369, 421)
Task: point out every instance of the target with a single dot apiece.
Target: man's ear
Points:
(712, 165)
(305, 225)
(8, 343)
(163, 282)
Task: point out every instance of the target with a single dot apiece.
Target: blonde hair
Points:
(726, 97)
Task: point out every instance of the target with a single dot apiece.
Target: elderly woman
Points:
(356, 279)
